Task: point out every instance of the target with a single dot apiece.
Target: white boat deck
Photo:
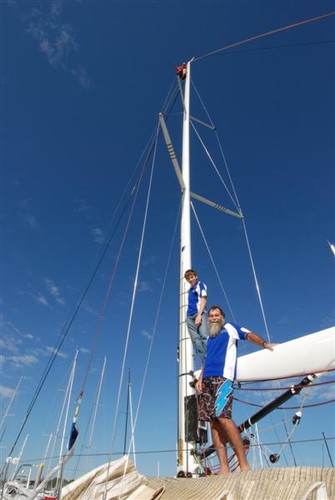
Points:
(292, 483)
(120, 480)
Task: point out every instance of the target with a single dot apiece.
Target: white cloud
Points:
(56, 39)
(54, 291)
(89, 309)
(32, 222)
(8, 326)
(323, 389)
(84, 350)
(146, 334)
(6, 392)
(144, 286)
(52, 350)
(9, 342)
(56, 7)
(23, 203)
(23, 360)
(29, 220)
(41, 299)
(98, 235)
(19, 349)
(28, 336)
(82, 206)
(12, 3)
(80, 73)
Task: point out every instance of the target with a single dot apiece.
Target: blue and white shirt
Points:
(222, 352)
(195, 294)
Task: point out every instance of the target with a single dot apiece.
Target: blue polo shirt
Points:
(195, 294)
(222, 352)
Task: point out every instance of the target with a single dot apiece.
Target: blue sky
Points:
(82, 83)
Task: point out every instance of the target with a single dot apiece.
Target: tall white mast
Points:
(187, 424)
(186, 460)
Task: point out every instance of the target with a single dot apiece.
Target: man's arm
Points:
(256, 339)
(198, 385)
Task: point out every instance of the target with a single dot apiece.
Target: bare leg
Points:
(220, 446)
(228, 432)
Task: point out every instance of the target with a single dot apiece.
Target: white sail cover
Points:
(312, 353)
(118, 479)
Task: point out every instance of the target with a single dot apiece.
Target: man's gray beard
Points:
(215, 329)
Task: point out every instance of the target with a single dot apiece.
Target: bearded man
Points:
(215, 385)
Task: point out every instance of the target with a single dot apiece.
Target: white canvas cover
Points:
(118, 479)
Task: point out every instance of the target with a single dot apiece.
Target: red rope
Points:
(279, 388)
(286, 407)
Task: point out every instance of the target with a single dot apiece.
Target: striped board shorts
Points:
(216, 399)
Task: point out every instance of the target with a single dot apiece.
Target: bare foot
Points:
(224, 471)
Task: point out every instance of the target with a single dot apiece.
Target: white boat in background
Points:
(26, 481)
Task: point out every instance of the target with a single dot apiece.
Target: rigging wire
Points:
(283, 46)
(296, 420)
(233, 45)
(173, 450)
(68, 393)
(203, 105)
(213, 263)
(125, 199)
(233, 197)
(155, 327)
(92, 417)
(214, 166)
(101, 316)
(260, 300)
(66, 328)
(72, 316)
(263, 35)
(65, 331)
(237, 204)
(170, 100)
(153, 336)
(150, 151)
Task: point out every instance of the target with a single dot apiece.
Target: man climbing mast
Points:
(182, 71)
